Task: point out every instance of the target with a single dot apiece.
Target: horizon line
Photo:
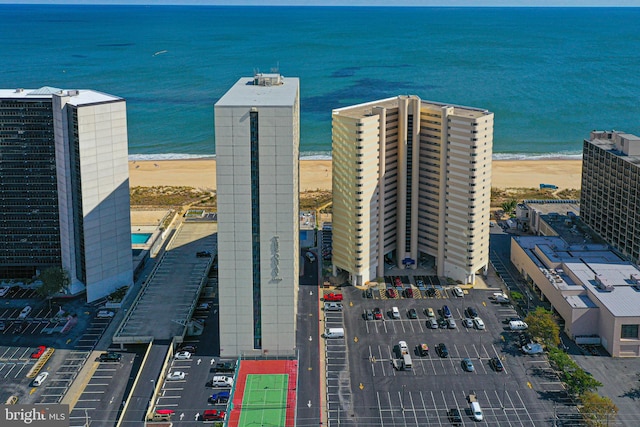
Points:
(306, 5)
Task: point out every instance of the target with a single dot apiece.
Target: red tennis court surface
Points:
(248, 367)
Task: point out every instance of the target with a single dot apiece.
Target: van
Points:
(221, 381)
(406, 361)
(395, 313)
(476, 410)
(334, 333)
(517, 325)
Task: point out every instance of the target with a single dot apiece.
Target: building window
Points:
(629, 332)
(255, 230)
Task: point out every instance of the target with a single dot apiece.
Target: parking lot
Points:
(364, 387)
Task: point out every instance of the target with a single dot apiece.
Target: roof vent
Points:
(603, 284)
(19, 90)
(261, 79)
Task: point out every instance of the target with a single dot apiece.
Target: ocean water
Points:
(550, 75)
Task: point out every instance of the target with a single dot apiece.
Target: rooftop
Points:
(269, 90)
(77, 97)
(363, 110)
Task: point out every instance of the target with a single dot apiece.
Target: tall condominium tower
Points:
(411, 182)
(610, 196)
(64, 188)
(257, 138)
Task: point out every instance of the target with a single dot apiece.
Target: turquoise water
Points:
(551, 75)
(140, 238)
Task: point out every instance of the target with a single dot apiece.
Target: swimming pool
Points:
(140, 238)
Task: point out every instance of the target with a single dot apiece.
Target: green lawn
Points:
(265, 401)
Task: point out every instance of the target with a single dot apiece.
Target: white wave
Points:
(538, 156)
(169, 156)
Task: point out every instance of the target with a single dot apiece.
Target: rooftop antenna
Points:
(277, 68)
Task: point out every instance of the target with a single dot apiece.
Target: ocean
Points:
(550, 75)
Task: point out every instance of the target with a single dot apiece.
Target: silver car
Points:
(332, 306)
(451, 323)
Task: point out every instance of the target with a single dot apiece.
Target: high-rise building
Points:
(257, 150)
(411, 184)
(610, 192)
(64, 188)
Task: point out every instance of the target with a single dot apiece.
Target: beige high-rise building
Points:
(411, 183)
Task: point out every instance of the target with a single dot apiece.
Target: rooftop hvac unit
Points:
(603, 284)
(635, 279)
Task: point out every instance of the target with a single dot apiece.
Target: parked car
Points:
(213, 415)
(225, 367)
(432, 323)
(188, 347)
(333, 297)
(479, 324)
(110, 357)
(467, 365)
(457, 291)
(404, 349)
(368, 315)
(332, 306)
(25, 312)
(408, 293)
(220, 397)
(419, 283)
(431, 292)
(377, 313)
(104, 314)
(392, 293)
(310, 256)
(203, 254)
(442, 350)
(175, 375)
(532, 348)
(430, 312)
(2, 326)
(204, 306)
(368, 293)
(496, 364)
(4, 291)
(454, 417)
(182, 355)
(467, 323)
(442, 323)
(517, 325)
(423, 350)
(397, 282)
(451, 323)
(37, 382)
(446, 313)
(472, 312)
(39, 351)
(412, 313)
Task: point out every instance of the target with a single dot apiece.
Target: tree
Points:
(598, 411)
(579, 382)
(543, 325)
(509, 206)
(54, 280)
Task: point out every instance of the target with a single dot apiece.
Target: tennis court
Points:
(265, 400)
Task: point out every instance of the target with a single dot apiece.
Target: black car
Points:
(442, 350)
(203, 254)
(224, 367)
(412, 313)
(431, 292)
(188, 347)
(442, 323)
(110, 357)
(368, 293)
(454, 416)
(472, 312)
(496, 364)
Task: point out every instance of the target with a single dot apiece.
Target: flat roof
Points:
(584, 262)
(247, 94)
(78, 97)
(365, 109)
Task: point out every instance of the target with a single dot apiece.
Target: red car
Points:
(408, 293)
(391, 293)
(397, 282)
(333, 297)
(377, 313)
(38, 352)
(213, 415)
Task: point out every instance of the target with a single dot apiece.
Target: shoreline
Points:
(316, 174)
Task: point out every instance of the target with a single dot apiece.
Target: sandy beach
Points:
(316, 174)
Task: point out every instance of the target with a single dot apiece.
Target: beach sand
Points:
(316, 174)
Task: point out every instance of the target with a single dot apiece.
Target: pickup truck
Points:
(333, 297)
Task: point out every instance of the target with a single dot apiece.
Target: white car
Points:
(25, 312)
(176, 375)
(479, 324)
(467, 323)
(451, 323)
(457, 291)
(183, 355)
(105, 314)
(404, 349)
(37, 381)
(4, 291)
